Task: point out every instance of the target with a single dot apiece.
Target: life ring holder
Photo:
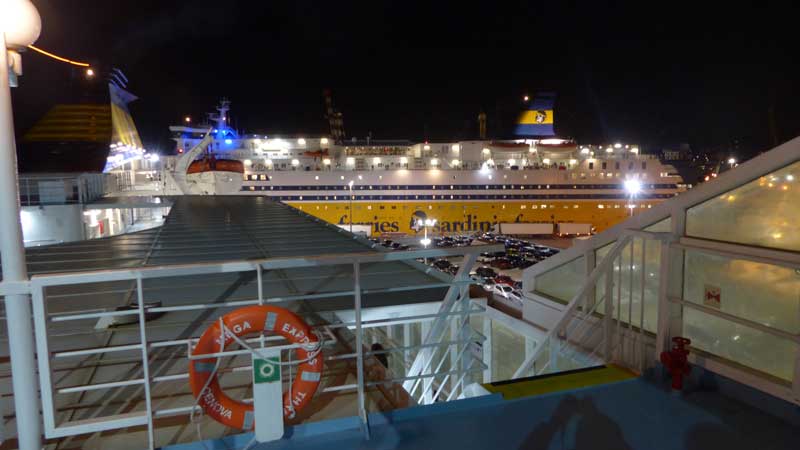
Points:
(251, 319)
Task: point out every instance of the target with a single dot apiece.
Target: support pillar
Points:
(12, 253)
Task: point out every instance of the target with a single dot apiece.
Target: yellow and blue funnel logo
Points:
(538, 119)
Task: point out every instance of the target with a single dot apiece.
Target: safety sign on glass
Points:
(266, 370)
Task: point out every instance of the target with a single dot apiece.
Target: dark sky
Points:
(656, 74)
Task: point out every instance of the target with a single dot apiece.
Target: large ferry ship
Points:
(388, 186)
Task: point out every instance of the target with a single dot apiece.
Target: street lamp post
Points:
(425, 224)
(350, 185)
(20, 26)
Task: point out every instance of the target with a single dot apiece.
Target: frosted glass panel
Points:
(664, 226)
(627, 291)
(563, 282)
(508, 351)
(746, 346)
(764, 212)
(763, 293)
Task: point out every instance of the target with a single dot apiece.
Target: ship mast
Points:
(221, 118)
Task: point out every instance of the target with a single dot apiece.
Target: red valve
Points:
(676, 361)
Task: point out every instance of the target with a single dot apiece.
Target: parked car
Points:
(387, 243)
(503, 290)
(519, 262)
(501, 263)
(403, 247)
(442, 264)
(504, 279)
(517, 285)
(486, 272)
(488, 285)
(452, 270)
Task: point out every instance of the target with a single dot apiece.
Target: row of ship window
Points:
(463, 187)
(464, 197)
(599, 206)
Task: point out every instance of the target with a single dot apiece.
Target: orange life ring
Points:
(251, 319)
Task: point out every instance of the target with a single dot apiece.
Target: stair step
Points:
(561, 381)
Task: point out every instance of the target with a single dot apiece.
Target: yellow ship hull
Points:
(463, 217)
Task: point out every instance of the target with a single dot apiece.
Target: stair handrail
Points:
(573, 304)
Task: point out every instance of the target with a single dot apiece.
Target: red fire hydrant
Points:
(676, 361)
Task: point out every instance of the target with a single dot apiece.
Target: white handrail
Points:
(566, 315)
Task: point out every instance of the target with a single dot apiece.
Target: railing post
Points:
(406, 344)
(487, 349)
(590, 259)
(362, 410)
(670, 317)
(608, 324)
(425, 329)
(145, 362)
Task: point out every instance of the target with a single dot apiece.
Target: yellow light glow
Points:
(58, 58)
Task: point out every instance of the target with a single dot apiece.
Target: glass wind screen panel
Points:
(746, 346)
(763, 293)
(563, 282)
(628, 276)
(664, 226)
(508, 351)
(764, 212)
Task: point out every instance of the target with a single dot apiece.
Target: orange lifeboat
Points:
(212, 164)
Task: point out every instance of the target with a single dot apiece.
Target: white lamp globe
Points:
(21, 23)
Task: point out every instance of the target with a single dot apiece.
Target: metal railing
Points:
(45, 189)
(604, 322)
(449, 360)
(743, 345)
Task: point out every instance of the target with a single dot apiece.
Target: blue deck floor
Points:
(633, 414)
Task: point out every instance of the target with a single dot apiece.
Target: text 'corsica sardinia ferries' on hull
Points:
(467, 186)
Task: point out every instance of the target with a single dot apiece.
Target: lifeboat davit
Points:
(215, 176)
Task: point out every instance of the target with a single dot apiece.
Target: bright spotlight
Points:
(633, 186)
(425, 242)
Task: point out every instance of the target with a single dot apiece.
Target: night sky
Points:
(658, 74)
